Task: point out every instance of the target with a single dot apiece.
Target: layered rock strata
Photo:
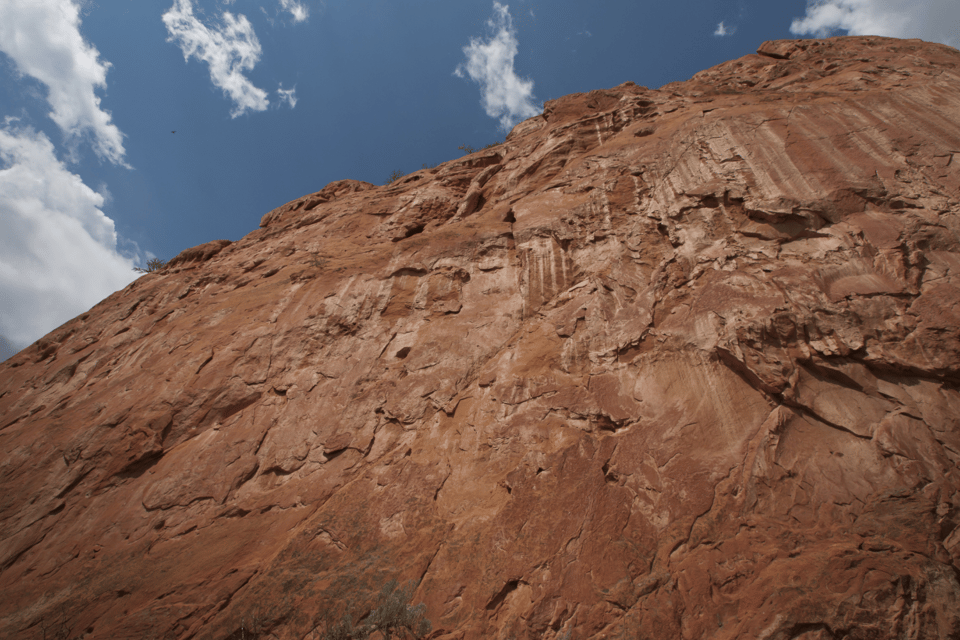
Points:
(675, 363)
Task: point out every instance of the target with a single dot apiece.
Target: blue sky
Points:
(273, 99)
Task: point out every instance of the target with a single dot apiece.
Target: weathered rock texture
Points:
(664, 364)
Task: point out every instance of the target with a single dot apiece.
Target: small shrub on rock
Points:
(467, 149)
(393, 617)
(154, 264)
(346, 630)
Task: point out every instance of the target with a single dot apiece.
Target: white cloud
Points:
(296, 9)
(724, 30)
(932, 20)
(288, 95)
(43, 39)
(58, 251)
(229, 50)
(490, 64)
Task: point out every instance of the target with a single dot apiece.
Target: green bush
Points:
(345, 630)
(154, 264)
(393, 617)
(468, 149)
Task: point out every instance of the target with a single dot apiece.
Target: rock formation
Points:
(675, 363)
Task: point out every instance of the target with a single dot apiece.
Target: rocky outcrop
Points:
(675, 363)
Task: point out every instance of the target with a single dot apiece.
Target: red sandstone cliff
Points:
(665, 364)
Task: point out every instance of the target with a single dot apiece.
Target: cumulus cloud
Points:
(58, 251)
(490, 64)
(724, 30)
(933, 20)
(288, 95)
(296, 9)
(229, 49)
(42, 38)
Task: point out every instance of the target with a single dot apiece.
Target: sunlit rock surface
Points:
(679, 363)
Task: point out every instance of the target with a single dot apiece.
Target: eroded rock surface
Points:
(680, 363)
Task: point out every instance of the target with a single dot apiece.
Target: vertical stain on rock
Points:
(546, 271)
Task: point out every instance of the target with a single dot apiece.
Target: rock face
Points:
(679, 363)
